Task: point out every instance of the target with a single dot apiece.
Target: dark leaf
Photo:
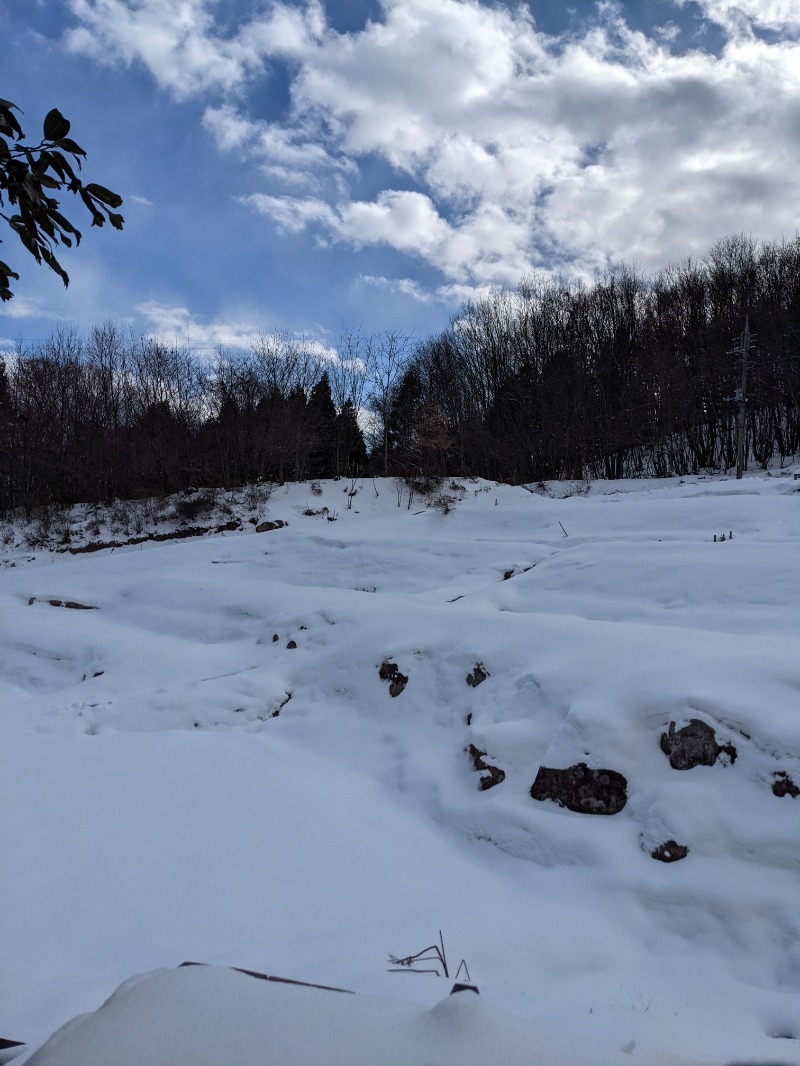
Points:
(65, 224)
(54, 264)
(67, 145)
(31, 245)
(99, 192)
(56, 127)
(47, 226)
(9, 120)
(117, 221)
(5, 270)
(97, 218)
(56, 162)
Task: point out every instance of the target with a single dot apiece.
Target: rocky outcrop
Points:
(694, 745)
(176, 534)
(267, 527)
(492, 776)
(582, 790)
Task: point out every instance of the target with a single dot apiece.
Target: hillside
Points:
(208, 764)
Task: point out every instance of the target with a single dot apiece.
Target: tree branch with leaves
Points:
(29, 175)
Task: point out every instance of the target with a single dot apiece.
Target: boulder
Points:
(582, 790)
(694, 745)
(267, 527)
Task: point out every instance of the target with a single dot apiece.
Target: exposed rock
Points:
(670, 851)
(281, 705)
(73, 604)
(508, 574)
(275, 638)
(390, 672)
(175, 534)
(267, 527)
(493, 775)
(582, 790)
(398, 684)
(292, 644)
(694, 745)
(478, 676)
(784, 786)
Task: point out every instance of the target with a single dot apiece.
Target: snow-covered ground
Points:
(177, 782)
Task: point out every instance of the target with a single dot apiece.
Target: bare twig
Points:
(432, 953)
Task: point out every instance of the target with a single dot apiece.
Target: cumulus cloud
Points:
(182, 45)
(175, 324)
(738, 15)
(502, 149)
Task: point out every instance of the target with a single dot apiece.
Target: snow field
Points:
(176, 784)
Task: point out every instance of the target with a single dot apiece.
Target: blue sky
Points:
(365, 165)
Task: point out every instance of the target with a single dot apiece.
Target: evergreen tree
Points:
(350, 451)
(321, 423)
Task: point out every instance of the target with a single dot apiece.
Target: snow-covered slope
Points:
(179, 784)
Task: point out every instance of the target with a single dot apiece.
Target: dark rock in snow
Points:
(398, 684)
(267, 527)
(478, 676)
(670, 851)
(694, 745)
(582, 790)
(390, 672)
(72, 604)
(493, 776)
(784, 786)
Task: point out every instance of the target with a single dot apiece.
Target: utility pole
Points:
(741, 399)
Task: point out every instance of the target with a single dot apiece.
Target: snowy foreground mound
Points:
(211, 765)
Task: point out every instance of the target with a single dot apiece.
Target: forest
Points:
(628, 376)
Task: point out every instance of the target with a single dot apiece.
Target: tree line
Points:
(112, 416)
(629, 376)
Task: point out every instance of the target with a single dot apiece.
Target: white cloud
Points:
(182, 46)
(738, 15)
(522, 151)
(290, 154)
(178, 325)
(403, 286)
(25, 307)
